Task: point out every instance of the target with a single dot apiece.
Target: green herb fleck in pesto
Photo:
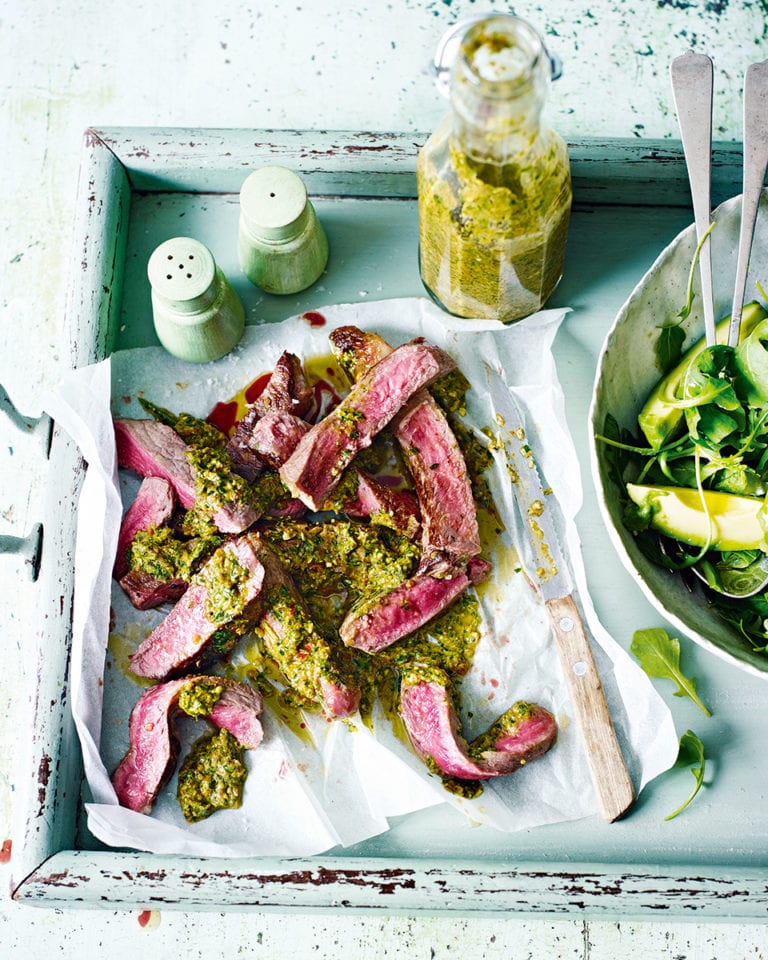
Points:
(212, 776)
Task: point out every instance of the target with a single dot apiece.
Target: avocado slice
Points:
(678, 512)
(658, 419)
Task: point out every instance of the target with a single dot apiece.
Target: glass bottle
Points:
(494, 184)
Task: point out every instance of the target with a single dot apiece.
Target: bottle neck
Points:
(499, 84)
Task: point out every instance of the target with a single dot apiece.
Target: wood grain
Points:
(615, 793)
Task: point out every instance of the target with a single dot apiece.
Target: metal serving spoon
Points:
(755, 162)
(692, 81)
(692, 87)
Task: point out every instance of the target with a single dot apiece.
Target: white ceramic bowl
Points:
(627, 372)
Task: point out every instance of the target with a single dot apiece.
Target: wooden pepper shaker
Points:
(198, 316)
(281, 244)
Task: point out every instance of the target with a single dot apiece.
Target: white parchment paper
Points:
(302, 798)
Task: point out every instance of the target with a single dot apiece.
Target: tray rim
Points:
(48, 869)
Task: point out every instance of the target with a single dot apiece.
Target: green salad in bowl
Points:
(680, 445)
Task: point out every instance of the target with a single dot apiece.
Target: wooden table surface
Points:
(326, 64)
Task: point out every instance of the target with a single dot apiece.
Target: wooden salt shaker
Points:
(198, 316)
(281, 244)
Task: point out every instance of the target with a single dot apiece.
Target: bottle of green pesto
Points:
(494, 183)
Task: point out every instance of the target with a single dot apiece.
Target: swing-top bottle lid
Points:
(273, 203)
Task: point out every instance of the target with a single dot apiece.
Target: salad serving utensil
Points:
(755, 162)
(692, 82)
(548, 571)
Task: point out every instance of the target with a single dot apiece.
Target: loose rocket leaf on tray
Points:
(659, 655)
(691, 752)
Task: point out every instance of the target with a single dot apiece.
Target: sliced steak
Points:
(247, 461)
(305, 658)
(315, 467)
(276, 435)
(357, 350)
(151, 508)
(146, 592)
(449, 532)
(365, 497)
(409, 606)
(153, 449)
(188, 636)
(525, 732)
(287, 389)
(153, 745)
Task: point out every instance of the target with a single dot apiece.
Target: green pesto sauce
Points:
(336, 564)
(216, 483)
(478, 458)
(450, 391)
(159, 553)
(447, 643)
(212, 776)
(301, 654)
(492, 236)
(225, 579)
(199, 697)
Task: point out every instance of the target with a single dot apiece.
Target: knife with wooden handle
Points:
(548, 570)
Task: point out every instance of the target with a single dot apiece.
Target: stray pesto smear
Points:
(450, 391)
(199, 697)
(212, 776)
(225, 580)
(160, 554)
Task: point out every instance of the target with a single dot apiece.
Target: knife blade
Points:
(548, 569)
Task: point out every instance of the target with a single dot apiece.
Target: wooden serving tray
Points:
(140, 186)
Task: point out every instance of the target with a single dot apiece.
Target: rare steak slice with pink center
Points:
(449, 533)
(220, 604)
(413, 603)
(523, 733)
(315, 467)
(154, 449)
(151, 508)
(153, 745)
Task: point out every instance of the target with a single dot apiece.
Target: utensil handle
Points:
(610, 778)
(692, 77)
(755, 162)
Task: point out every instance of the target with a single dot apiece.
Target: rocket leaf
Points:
(659, 655)
(691, 751)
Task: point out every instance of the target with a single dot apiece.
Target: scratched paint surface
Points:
(325, 64)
